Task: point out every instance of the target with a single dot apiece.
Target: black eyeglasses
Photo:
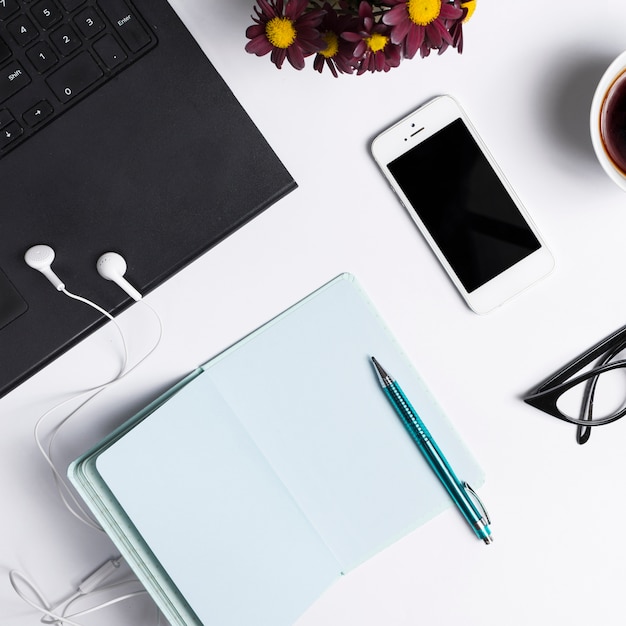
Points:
(552, 390)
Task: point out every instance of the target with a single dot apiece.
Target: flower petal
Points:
(413, 41)
(295, 57)
(295, 8)
(399, 32)
(394, 56)
(278, 56)
(267, 8)
(256, 30)
(450, 12)
(360, 49)
(444, 35)
(379, 60)
(397, 15)
(259, 46)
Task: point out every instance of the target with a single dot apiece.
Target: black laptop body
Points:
(155, 160)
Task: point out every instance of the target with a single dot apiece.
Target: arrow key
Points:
(9, 134)
(38, 113)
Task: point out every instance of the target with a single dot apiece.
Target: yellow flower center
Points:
(423, 12)
(377, 42)
(280, 32)
(332, 44)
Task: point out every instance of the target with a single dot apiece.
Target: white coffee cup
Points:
(615, 73)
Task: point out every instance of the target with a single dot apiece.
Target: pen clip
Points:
(478, 501)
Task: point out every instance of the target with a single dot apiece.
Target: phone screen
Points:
(464, 205)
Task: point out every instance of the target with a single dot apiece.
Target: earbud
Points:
(40, 258)
(112, 266)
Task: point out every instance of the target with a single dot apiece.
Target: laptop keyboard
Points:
(53, 53)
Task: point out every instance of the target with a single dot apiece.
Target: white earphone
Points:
(40, 258)
(112, 266)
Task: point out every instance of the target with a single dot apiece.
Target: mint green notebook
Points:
(245, 491)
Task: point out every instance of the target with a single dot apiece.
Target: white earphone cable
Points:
(59, 614)
(111, 318)
(40, 257)
(71, 502)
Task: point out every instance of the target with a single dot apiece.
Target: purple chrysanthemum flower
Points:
(338, 54)
(422, 24)
(287, 30)
(374, 51)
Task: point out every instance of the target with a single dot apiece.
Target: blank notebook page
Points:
(212, 510)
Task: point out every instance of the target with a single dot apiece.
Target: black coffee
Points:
(613, 122)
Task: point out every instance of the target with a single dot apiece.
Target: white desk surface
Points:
(526, 79)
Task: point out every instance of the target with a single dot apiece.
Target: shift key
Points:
(126, 24)
(12, 79)
(74, 77)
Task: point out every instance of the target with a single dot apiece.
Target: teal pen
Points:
(460, 492)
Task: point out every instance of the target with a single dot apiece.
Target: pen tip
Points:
(382, 374)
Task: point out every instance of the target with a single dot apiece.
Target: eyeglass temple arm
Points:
(615, 340)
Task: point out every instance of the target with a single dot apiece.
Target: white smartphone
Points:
(463, 205)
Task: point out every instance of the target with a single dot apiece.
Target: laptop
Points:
(116, 134)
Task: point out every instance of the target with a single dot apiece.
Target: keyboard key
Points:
(75, 76)
(5, 51)
(70, 5)
(89, 23)
(13, 77)
(22, 30)
(109, 51)
(5, 117)
(7, 8)
(65, 39)
(9, 134)
(38, 113)
(46, 13)
(42, 57)
(126, 24)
